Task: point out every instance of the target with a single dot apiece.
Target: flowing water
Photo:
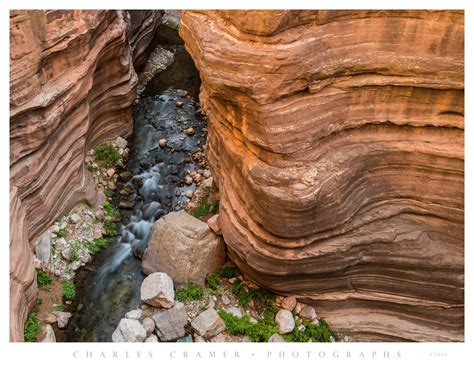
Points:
(110, 285)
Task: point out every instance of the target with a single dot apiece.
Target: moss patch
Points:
(106, 155)
(69, 290)
(43, 279)
(190, 292)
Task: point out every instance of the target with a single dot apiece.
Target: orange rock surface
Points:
(337, 141)
(72, 86)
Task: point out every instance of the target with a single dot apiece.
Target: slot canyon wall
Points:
(72, 86)
(337, 141)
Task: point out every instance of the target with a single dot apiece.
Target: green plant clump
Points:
(106, 155)
(110, 228)
(189, 293)
(43, 279)
(229, 271)
(110, 210)
(59, 308)
(315, 333)
(213, 282)
(60, 233)
(98, 244)
(32, 328)
(69, 290)
(261, 298)
(109, 193)
(75, 249)
(206, 208)
(258, 331)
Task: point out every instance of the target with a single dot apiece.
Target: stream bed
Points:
(109, 286)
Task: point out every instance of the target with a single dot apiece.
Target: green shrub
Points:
(69, 290)
(75, 249)
(262, 299)
(60, 233)
(32, 328)
(110, 210)
(109, 193)
(258, 331)
(91, 168)
(315, 333)
(59, 308)
(110, 228)
(206, 208)
(98, 244)
(106, 155)
(213, 282)
(189, 292)
(229, 271)
(43, 279)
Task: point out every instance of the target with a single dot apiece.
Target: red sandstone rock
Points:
(71, 87)
(337, 141)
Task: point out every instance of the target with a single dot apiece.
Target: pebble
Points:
(289, 303)
(50, 319)
(112, 186)
(188, 180)
(162, 143)
(234, 311)
(189, 194)
(285, 321)
(121, 142)
(225, 300)
(75, 218)
(126, 175)
(110, 172)
(179, 103)
(148, 325)
(189, 131)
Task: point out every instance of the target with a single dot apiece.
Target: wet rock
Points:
(152, 339)
(186, 339)
(43, 249)
(49, 336)
(206, 173)
(63, 318)
(179, 103)
(125, 191)
(189, 194)
(225, 299)
(126, 176)
(169, 324)
(234, 311)
(182, 93)
(208, 324)
(125, 205)
(134, 314)
(75, 265)
(299, 306)
(75, 218)
(110, 172)
(213, 223)
(162, 143)
(276, 338)
(188, 180)
(189, 131)
(148, 325)
(157, 290)
(184, 247)
(308, 313)
(121, 143)
(137, 182)
(129, 331)
(285, 321)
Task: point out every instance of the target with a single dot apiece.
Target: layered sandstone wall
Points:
(337, 142)
(72, 86)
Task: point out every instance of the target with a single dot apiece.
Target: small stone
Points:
(63, 318)
(232, 280)
(299, 306)
(157, 290)
(178, 193)
(182, 93)
(79, 307)
(112, 186)
(110, 172)
(170, 324)
(189, 131)
(188, 180)
(308, 313)
(276, 338)
(197, 178)
(208, 324)
(121, 142)
(234, 311)
(213, 223)
(211, 303)
(152, 339)
(49, 336)
(179, 103)
(162, 143)
(137, 182)
(199, 339)
(129, 331)
(50, 319)
(134, 314)
(225, 299)
(75, 265)
(125, 191)
(285, 321)
(206, 173)
(148, 325)
(75, 218)
(99, 215)
(301, 328)
(125, 205)
(126, 175)
(189, 194)
(289, 303)
(96, 233)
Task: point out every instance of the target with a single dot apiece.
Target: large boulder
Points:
(183, 247)
(43, 249)
(157, 290)
(285, 321)
(129, 330)
(169, 324)
(208, 324)
(49, 336)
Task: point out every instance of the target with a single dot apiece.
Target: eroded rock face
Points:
(336, 139)
(72, 85)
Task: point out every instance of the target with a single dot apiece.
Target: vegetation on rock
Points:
(190, 292)
(205, 208)
(43, 279)
(98, 244)
(229, 271)
(32, 328)
(69, 290)
(106, 155)
(213, 282)
(60, 233)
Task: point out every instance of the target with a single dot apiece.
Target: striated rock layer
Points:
(337, 142)
(72, 85)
